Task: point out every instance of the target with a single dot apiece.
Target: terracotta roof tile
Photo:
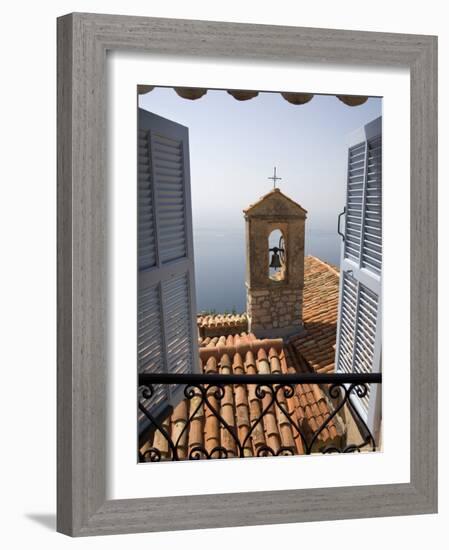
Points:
(240, 407)
(320, 310)
(225, 346)
(221, 325)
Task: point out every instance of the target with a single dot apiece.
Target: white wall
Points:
(27, 300)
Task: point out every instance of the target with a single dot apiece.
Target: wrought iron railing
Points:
(206, 391)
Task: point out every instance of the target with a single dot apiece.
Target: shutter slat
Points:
(146, 250)
(176, 307)
(170, 197)
(165, 296)
(347, 323)
(354, 202)
(150, 343)
(358, 345)
(366, 335)
(371, 259)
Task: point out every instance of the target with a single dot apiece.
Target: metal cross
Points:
(274, 178)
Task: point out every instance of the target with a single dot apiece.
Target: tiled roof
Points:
(320, 311)
(225, 348)
(316, 346)
(217, 325)
(240, 408)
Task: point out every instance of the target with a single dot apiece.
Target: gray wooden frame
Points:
(83, 40)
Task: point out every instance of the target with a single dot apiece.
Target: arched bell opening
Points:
(276, 256)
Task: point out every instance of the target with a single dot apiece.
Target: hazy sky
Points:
(233, 148)
(235, 144)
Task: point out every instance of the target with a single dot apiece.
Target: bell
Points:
(275, 260)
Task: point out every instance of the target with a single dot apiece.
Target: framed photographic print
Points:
(247, 274)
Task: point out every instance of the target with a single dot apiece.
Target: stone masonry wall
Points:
(276, 309)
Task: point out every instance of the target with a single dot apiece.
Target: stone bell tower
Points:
(275, 274)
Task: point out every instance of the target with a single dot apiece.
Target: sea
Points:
(220, 265)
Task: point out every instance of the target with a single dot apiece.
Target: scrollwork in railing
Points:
(206, 393)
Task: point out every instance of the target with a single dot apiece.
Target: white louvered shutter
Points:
(166, 328)
(359, 323)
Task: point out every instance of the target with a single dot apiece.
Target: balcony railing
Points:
(270, 395)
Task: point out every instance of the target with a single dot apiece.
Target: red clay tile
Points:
(226, 347)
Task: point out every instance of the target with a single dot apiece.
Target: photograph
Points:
(221, 247)
(259, 257)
